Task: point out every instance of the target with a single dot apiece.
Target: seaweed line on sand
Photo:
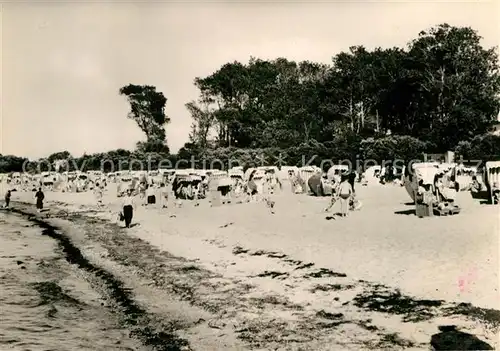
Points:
(224, 297)
(135, 317)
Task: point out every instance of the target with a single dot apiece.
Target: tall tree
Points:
(203, 122)
(458, 83)
(63, 155)
(147, 109)
(443, 88)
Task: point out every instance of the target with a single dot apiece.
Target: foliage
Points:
(147, 109)
(442, 89)
(441, 92)
(10, 163)
(481, 148)
(63, 155)
(394, 147)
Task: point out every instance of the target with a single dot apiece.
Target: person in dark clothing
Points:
(7, 198)
(39, 196)
(150, 195)
(128, 208)
(352, 179)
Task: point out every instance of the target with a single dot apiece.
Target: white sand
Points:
(423, 257)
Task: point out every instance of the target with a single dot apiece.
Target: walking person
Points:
(345, 193)
(128, 208)
(7, 198)
(39, 196)
(267, 192)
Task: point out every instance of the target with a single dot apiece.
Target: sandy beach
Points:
(46, 302)
(247, 279)
(261, 177)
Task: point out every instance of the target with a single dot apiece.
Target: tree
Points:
(482, 147)
(62, 155)
(147, 109)
(203, 122)
(10, 163)
(457, 81)
(443, 88)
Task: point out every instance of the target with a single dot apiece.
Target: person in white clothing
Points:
(128, 208)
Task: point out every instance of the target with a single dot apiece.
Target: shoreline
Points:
(46, 300)
(133, 316)
(358, 315)
(152, 317)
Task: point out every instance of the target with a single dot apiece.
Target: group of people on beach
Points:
(148, 196)
(149, 192)
(344, 193)
(39, 197)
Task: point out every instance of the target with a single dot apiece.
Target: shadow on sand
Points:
(406, 212)
(450, 338)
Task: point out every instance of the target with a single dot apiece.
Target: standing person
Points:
(150, 194)
(439, 186)
(335, 194)
(267, 192)
(292, 179)
(98, 194)
(196, 194)
(345, 193)
(119, 188)
(128, 208)
(164, 195)
(7, 198)
(352, 180)
(39, 196)
(142, 191)
(252, 191)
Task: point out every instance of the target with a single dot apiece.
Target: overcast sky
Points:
(62, 65)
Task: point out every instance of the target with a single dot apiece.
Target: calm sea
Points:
(45, 303)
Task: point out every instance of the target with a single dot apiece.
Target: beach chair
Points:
(446, 208)
(423, 208)
(215, 198)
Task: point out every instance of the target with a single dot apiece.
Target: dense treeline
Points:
(441, 92)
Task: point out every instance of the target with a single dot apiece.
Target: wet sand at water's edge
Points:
(46, 303)
(257, 299)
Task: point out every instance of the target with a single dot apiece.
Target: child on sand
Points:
(335, 195)
(268, 191)
(345, 192)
